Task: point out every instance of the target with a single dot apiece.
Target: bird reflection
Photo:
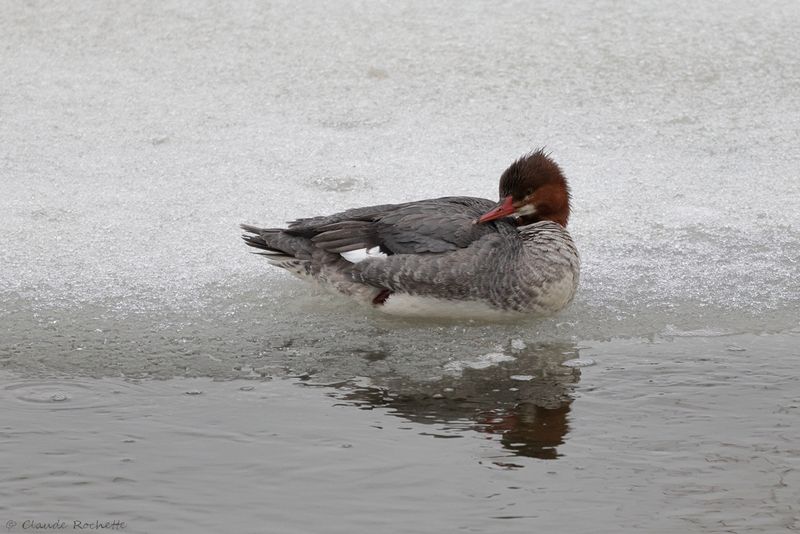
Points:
(530, 430)
(524, 402)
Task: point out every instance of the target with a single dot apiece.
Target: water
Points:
(664, 436)
(155, 373)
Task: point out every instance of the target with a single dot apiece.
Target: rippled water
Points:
(686, 434)
(157, 375)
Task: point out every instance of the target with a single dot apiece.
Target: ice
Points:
(136, 139)
(483, 362)
(521, 378)
(578, 363)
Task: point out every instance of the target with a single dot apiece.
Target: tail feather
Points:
(251, 229)
(296, 253)
(276, 244)
(260, 238)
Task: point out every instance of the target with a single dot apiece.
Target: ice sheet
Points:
(137, 137)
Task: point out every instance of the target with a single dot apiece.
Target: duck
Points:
(458, 256)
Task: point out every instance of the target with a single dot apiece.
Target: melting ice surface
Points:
(680, 149)
(135, 141)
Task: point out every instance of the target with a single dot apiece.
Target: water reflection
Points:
(530, 430)
(524, 401)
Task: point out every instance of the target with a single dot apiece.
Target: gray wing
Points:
(436, 226)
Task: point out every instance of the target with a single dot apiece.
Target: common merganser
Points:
(450, 256)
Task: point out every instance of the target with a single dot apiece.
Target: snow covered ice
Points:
(135, 141)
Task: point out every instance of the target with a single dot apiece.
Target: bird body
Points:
(453, 256)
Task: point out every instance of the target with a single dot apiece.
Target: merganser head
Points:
(532, 189)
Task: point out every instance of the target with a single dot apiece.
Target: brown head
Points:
(532, 189)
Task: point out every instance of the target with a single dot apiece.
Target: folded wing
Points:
(435, 226)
